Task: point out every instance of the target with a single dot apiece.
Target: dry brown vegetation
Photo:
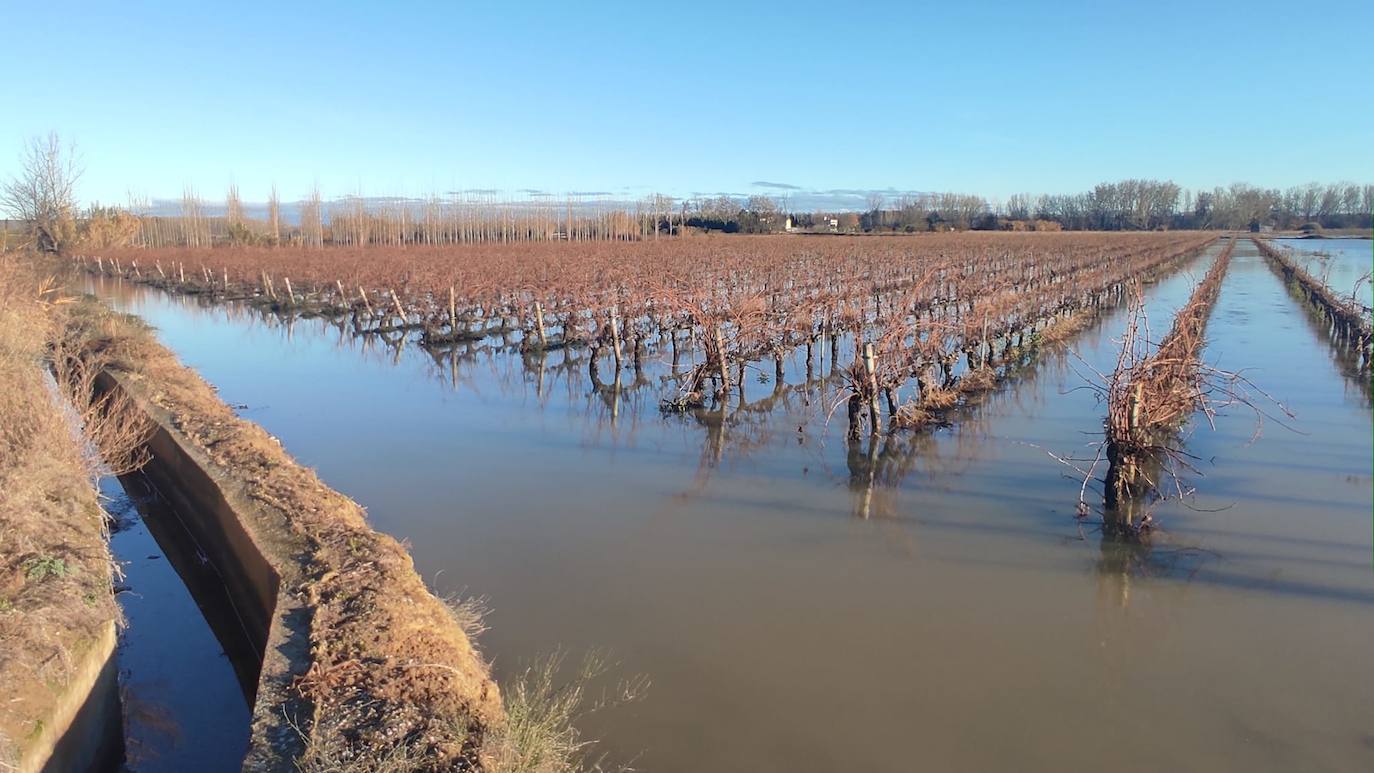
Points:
(393, 680)
(1152, 393)
(391, 675)
(55, 567)
(934, 309)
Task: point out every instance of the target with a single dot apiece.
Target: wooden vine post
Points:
(720, 362)
(871, 374)
(539, 325)
(1136, 399)
(615, 338)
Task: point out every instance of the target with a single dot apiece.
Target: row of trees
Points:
(43, 196)
(1136, 205)
(1139, 204)
(399, 222)
(1128, 205)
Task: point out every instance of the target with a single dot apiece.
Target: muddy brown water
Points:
(932, 603)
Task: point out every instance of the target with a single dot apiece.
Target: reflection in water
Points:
(746, 421)
(183, 705)
(1342, 264)
(1125, 561)
(1345, 355)
(724, 550)
(737, 425)
(879, 465)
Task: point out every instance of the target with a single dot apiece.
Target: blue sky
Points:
(407, 98)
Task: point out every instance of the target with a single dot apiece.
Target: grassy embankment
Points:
(391, 679)
(56, 599)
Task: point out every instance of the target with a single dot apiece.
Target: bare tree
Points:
(195, 230)
(274, 217)
(233, 207)
(312, 219)
(43, 194)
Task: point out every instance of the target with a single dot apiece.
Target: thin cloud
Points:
(775, 186)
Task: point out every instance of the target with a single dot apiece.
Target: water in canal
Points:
(803, 605)
(183, 709)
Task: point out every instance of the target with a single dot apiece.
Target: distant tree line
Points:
(1130, 205)
(41, 198)
(1145, 204)
(756, 214)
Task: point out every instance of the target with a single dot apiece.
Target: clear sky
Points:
(408, 98)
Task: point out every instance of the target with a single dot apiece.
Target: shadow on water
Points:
(180, 687)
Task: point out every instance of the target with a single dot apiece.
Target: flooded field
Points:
(1341, 262)
(805, 602)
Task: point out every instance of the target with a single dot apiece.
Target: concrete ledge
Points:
(343, 654)
(84, 731)
(260, 630)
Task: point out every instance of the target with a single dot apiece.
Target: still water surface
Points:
(929, 603)
(183, 709)
(1339, 262)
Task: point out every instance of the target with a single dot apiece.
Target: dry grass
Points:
(1061, 332)
(978, 380)
(910, 415)
(469, 613)
(394, 682)
(543, 708)
(938, 398)
(55, 567)
(539, 734)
